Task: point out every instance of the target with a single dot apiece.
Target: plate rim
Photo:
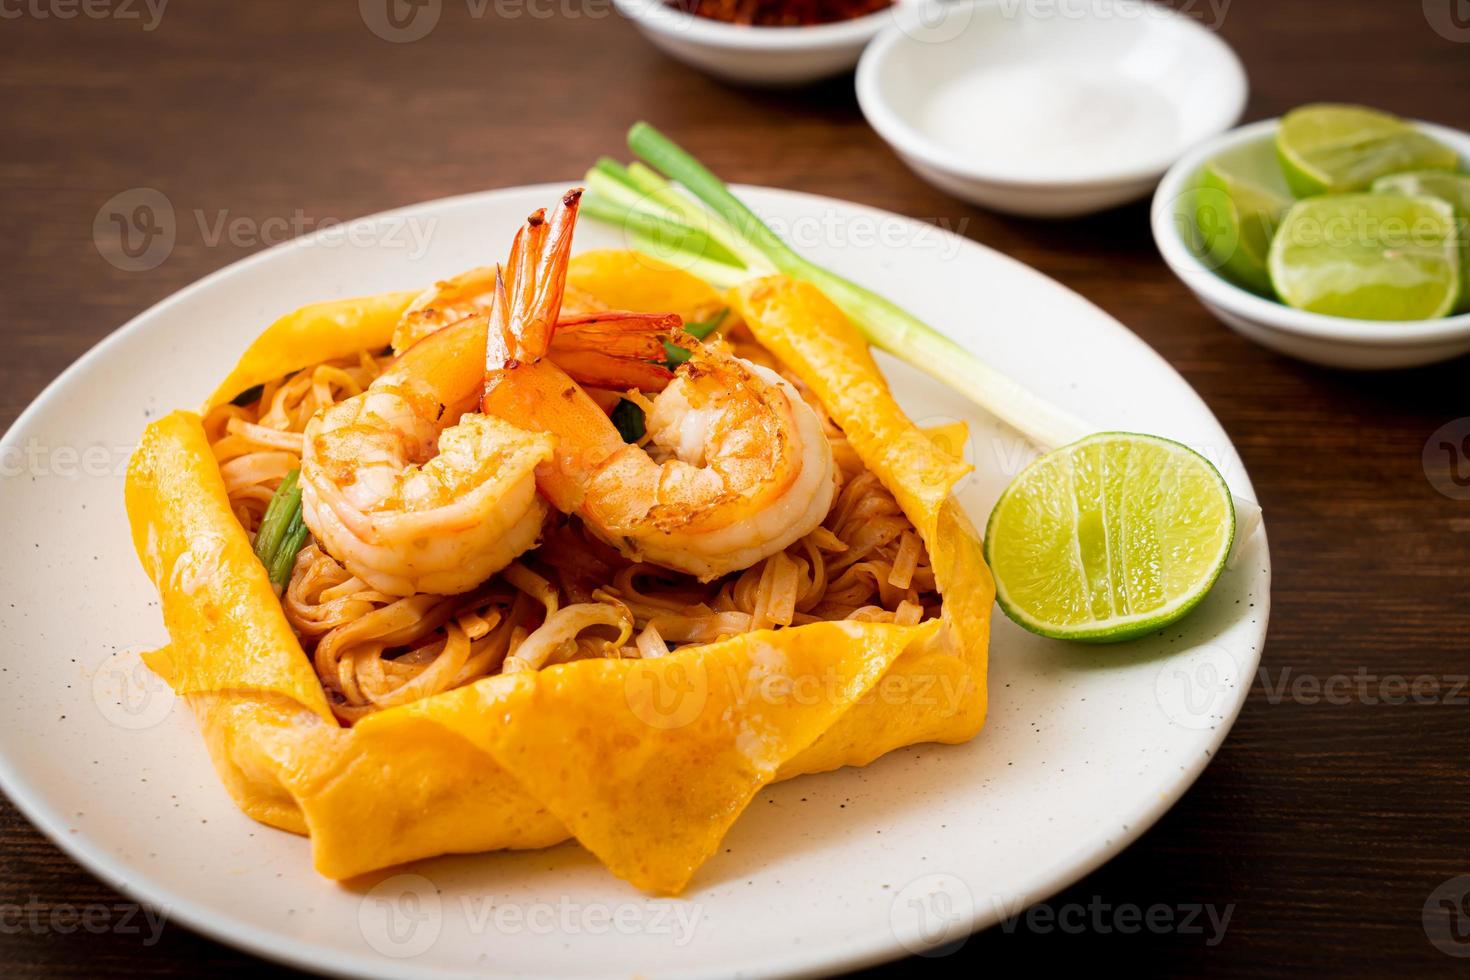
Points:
(292, 951)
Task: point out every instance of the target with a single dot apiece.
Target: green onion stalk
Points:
(672, 206)
(282, 532)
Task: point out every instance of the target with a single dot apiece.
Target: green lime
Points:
(1442, 184)
(1451, 187)
(1110, 538)
(1332, 149)
(1369, 257)
(1241, 198)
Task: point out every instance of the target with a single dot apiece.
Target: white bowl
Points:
(766, 56)
(1331, 340)
(1047, 108)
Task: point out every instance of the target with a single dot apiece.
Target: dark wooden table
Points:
(1325, 826)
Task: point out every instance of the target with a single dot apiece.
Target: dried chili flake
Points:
(780, 13)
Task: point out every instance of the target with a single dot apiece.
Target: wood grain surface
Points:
(1323, 826)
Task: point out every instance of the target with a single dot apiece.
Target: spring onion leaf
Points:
(277, 516)
(249, 395)
(613, 169)
(700, 329)
(662, 196)
(285, 557)
(628, 419)
(282, 531)
(883, 323)
(612, 200)
(703, 328)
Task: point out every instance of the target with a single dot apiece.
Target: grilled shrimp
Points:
(608, 348)
(737, 466)
(408, 486)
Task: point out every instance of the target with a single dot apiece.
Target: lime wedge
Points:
(1442, 184)
(1110, 538)
(1369, 257)
(1332, 149)
(1454, 188)
(1241, 198)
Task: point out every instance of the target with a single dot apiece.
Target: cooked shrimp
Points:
(591, 343)
(447, 301)
(410, 488)
(738, 466)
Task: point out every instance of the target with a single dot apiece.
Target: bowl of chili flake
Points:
(762, 42)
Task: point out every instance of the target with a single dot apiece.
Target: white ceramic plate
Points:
(1084, 749)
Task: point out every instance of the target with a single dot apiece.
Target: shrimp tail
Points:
(618, 350)
(523, 315)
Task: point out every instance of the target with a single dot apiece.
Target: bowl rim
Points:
(910, 142)
(1215, 290)
(657, 15)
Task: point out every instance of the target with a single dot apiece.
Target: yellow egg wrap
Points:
(645, 762)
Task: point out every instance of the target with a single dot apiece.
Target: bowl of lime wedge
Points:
(1336, 234)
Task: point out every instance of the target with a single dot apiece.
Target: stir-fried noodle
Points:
(570, 598)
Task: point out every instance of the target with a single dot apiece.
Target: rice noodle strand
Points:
(573, 597)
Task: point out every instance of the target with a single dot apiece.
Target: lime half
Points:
(1369, 257)
(1442, 184)
(1332, 149)
(1454, 188)
(1110, 538)
(1241, 199)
